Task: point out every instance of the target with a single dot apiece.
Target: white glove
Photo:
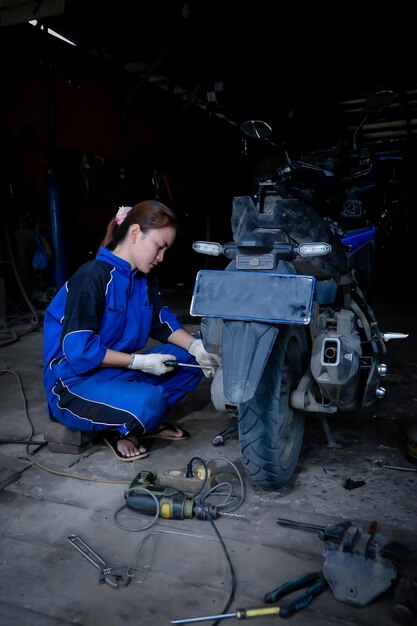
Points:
(152, 363)
(208, 360)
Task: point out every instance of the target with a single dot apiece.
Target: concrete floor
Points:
(180, 568)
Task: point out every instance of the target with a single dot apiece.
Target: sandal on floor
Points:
(166, 426)
(111, 440)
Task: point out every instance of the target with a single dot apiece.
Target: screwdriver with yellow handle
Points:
(315, 583)
(240, 614)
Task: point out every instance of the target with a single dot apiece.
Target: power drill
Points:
(173, 504)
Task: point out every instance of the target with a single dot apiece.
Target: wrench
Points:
(108, 574)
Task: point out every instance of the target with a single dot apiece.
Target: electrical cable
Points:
(154, 535)
(124, 506)
(77, 476)
(32, 442)
(214, 491)
(25, 405)
(35, 320)
(132, 569)
(232, 571)
(154, 519)
(42, 443)
(7, 335)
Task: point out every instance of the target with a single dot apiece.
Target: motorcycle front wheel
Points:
(270, 431)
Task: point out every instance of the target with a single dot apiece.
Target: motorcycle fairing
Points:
(301, 220)
(355, 239)
(246, 349)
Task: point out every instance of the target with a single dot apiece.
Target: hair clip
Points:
(121, 214)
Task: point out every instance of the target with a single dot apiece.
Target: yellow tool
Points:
(173, 504)
(314, 582)
(261, 611)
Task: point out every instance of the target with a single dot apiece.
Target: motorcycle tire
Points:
(270, 431)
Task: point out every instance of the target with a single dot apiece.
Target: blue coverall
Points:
(107, 305)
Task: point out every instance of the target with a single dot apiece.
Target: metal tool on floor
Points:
(358, 564)
(315, 583)
(402, 468)
(262, 611)
(108, 574)
(218, 440)
(330, 532)
(173, 504)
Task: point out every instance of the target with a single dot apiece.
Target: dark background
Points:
(149, 102)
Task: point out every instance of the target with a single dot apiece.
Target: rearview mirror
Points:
(379, 101)
(256, 129)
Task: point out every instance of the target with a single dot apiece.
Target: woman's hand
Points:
(152, 363)
(209, 361)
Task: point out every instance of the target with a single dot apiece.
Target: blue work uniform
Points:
(106, 305)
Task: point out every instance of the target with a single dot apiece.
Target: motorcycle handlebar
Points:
(286, 173)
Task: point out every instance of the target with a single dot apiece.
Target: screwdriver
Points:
(330, 532)
(177, 364)
(240, 614)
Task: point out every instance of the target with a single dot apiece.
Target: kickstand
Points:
(218, 440)
(331, 441)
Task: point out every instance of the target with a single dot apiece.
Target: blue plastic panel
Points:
(260, 296)
(358, 238)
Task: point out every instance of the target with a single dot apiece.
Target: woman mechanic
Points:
(98, 321)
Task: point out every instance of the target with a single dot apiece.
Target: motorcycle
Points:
(288, 317)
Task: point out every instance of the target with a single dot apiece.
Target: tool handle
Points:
(290, 586)
(86, 551)
(257, 612)
(304, 600)
(176, 364)
(294, 524)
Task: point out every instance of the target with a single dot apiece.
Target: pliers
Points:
(315, 583)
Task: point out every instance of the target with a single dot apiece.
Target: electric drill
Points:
(173, 504)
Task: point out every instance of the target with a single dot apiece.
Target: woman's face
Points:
(148, 249)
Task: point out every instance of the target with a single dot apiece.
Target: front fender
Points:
(246, 347)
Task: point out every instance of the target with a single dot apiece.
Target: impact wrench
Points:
(173, 504)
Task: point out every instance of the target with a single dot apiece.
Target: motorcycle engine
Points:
(335, 362)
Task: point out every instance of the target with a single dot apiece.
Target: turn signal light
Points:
(208, 247)
(313, 249)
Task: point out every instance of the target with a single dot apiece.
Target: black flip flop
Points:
(111, 440)
(168, 426)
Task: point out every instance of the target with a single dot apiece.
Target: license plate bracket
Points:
(253, 296)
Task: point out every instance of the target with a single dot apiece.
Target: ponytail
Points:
(149, 215)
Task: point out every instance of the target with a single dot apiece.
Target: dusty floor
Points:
(181, 568)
